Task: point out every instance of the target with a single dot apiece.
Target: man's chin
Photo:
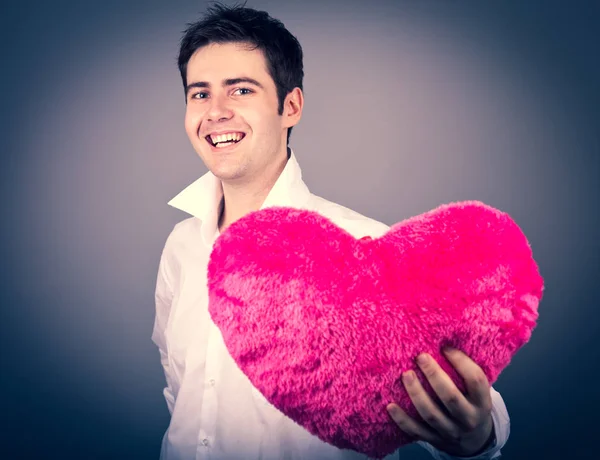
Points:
(226, 172)
(220, 166)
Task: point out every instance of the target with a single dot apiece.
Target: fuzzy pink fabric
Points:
(324, 324)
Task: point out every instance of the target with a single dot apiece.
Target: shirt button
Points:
(205, 442)
(212, 382)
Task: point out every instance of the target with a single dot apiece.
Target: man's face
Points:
(232, 102)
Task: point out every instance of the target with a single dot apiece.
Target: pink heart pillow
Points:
(324, 324)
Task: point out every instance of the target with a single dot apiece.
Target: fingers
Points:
(431, 413)
(411, 427)
(451, 397)
(478, 386)
(465, 413)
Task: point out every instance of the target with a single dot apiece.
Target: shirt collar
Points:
(202, 198)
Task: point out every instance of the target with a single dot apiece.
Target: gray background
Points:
(408, 105)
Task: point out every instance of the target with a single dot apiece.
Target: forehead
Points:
(217, 61)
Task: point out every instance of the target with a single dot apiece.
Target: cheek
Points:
(193, 116)
(264, 123)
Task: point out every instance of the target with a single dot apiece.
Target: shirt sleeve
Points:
(163, 297)
(501, 429)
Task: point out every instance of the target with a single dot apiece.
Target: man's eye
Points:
(199, 96)
(243, 91)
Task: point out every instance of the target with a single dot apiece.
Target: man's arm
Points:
(163, 297)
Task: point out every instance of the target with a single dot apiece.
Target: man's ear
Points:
(292, 107)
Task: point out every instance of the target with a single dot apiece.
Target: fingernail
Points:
(422, 359)
(409, 376)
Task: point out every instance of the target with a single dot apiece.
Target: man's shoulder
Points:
(184, 228)
(182, 235)
(352, 221)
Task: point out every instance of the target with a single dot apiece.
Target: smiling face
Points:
(231, 116)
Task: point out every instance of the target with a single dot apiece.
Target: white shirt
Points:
(216, 413)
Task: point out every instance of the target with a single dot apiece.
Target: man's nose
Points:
(219, 109)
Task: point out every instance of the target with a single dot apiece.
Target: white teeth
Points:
(226, 137)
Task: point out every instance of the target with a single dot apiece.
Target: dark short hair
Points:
(238, 24)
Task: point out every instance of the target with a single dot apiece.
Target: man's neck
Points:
(242, 199)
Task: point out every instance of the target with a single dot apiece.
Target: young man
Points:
(242, 73)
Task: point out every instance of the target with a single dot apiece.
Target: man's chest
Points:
(188, 330)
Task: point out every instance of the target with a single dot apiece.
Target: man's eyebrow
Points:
(226, 82)
(236, 81)
(198, 84)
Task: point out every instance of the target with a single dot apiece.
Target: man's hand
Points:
(464, 425)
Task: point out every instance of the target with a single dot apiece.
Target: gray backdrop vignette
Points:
(408, 105)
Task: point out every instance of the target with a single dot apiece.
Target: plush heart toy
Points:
(324, 324)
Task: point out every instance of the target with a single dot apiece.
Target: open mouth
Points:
(221, 141)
